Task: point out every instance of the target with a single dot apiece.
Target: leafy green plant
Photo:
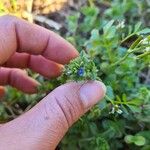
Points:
(120, 52)
(80, 69)
(116, 47)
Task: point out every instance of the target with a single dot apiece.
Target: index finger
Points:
(20, 36)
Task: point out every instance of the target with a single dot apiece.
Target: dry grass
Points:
(27, 8)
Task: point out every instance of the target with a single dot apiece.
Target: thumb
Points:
(46, 123)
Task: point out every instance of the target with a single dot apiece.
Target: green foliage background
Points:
(116, 35)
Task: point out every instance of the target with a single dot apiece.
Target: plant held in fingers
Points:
(82, 68)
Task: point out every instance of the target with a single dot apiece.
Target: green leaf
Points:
(102, 144)
(124, 97)
(145, 134)
(110, 92)
(136, 102)
(73, 22)
(139, 140)
(137, 26)
(129, 139)
(144, 31)
(94, 34)
(107, 26)
(135, 109)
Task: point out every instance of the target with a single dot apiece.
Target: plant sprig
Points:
(81, 68)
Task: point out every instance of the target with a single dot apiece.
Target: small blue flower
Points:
(80, 71)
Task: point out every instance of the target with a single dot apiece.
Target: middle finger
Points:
(37, 63)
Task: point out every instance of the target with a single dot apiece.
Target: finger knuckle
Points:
(67, 109)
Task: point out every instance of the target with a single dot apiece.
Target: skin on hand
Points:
(24, 45)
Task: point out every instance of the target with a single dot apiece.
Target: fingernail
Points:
(92, 92)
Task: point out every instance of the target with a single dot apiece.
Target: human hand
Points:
(24, 45)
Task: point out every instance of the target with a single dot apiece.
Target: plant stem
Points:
(128, 53)
(130, 50)
(10, 110)
(143, 55)
(121, 60)
(87, 139)
(117, 102)
(108, 98)
(127, 37)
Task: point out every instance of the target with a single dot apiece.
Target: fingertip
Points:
(2, 91)
(19, 79)
(45, 67)
(92, 92)
(30, 86)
